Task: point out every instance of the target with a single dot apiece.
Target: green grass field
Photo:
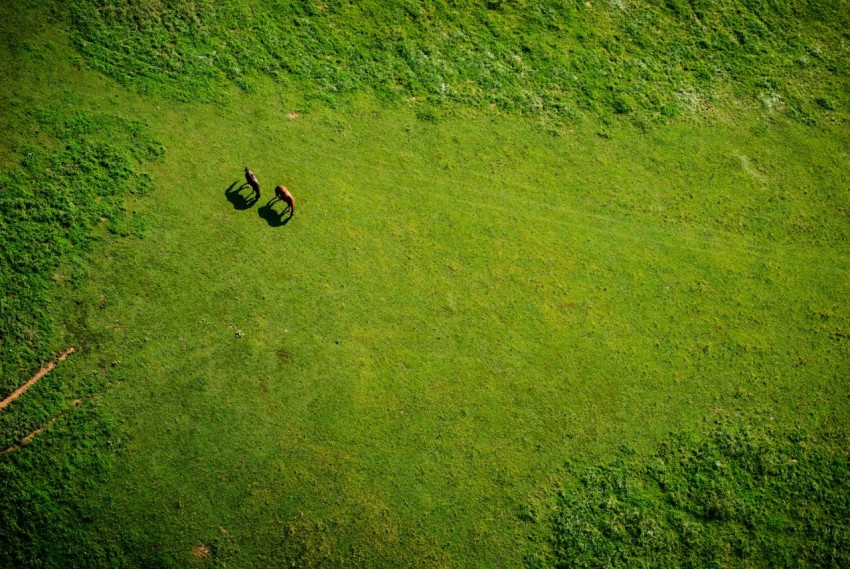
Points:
(474, 304)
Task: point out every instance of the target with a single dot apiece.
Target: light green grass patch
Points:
(454, 310)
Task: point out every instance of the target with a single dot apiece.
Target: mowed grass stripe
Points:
(570, 189)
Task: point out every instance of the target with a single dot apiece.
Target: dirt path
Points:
(41, 373)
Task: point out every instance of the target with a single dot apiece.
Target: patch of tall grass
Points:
(737, 496)
(51, 208)
(550, 59)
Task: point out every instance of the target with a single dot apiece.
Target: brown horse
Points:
(252, 181)
(283, 195)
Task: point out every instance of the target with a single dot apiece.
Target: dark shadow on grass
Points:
(273, 218)
(235, 197)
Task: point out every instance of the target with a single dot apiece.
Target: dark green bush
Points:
(825, 103)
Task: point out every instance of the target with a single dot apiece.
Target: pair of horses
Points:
(280, 193)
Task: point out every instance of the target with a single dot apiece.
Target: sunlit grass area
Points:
(481, 322)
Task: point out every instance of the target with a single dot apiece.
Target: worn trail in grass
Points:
(456, 309)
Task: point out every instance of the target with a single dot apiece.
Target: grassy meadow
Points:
(582, 308)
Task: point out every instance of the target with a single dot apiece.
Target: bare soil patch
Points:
(200, 551)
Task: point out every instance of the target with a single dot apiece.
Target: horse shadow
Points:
(237, 199)
(273, 218)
